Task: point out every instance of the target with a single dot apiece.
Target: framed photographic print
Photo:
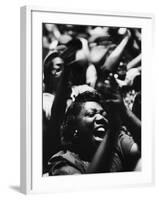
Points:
(85, 93)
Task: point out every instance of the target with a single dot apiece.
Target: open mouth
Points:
(99, 133)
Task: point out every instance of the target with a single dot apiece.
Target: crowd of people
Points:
(91, 99)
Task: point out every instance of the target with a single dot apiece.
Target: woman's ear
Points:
(76, 135)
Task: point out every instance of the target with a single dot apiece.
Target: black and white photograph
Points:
(78, 80)
(91, 99)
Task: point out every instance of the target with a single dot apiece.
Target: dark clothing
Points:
(137, 105)
(67, 162)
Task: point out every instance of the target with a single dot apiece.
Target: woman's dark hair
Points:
(70, 120)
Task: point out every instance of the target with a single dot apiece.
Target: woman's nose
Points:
(100, 118)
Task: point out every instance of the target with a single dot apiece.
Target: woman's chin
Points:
(97, 139)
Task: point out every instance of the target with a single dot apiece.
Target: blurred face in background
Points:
(52, 75)
(57, 67)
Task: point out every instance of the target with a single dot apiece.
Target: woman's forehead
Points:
(91, 105)
(57, 60)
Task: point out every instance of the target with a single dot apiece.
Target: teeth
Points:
(99, 134)
(101, 129)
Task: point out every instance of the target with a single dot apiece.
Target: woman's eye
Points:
(90, 114)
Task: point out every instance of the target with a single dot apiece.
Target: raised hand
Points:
(68, 55)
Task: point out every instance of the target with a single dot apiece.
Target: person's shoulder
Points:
(67, 162)
(125, 141)
(68, 155)
(127, 150)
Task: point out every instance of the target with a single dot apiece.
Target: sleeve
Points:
(60, 166)
(130, 159)
(126, 143)
(66, 163)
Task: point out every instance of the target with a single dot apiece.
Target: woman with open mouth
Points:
(94, 140)
(98, 133)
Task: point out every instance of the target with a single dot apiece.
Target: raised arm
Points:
(103, 157)
(129, 119)
(52, 138)
(113, 59)
(63, 90)
(119, 114)
(134, 62)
